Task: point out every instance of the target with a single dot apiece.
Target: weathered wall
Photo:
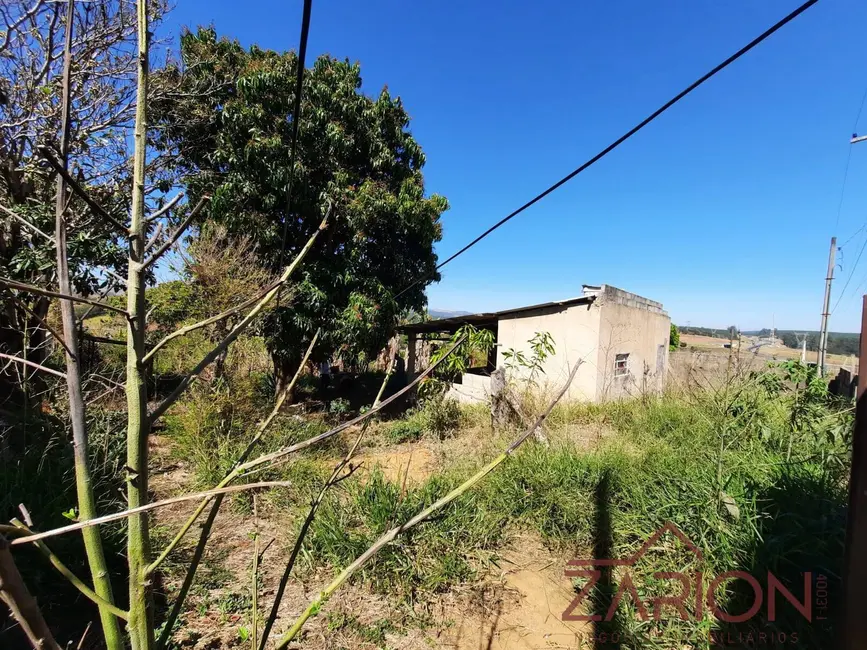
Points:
(630, 324)
(473, 389)
(575, 333)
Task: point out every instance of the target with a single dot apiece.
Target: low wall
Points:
(473, 389)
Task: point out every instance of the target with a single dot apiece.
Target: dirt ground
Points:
(517, 602)
(781, 352)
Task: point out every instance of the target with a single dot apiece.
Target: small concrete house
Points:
(621, 339)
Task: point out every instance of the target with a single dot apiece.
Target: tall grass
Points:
(755, 488)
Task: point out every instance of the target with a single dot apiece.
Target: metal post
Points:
(855, 563)
(823, 332)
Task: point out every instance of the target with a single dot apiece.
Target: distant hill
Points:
(445, 313)
(718, 332)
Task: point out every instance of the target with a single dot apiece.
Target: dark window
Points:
(621, 362)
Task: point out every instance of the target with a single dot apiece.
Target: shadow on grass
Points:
(608, 630)
(801, 537)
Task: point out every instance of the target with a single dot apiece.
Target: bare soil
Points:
(516, 603)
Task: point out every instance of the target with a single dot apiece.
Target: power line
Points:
(851, 273)
(860, 109)
(296, 119)
(854, 234)
(671, 102)
(848, 160)
(843, 189)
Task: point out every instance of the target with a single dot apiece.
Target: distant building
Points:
(622, 339)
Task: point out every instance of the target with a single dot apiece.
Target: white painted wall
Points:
(617, 322)
(575, 332)
(628, 325)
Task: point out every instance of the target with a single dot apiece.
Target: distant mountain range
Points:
(445, 313)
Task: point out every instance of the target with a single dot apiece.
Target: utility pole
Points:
(823, 333)
(854, 627)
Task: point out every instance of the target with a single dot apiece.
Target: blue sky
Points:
(722, 209)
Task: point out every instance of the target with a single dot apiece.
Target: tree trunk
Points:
(500, 410)
(141, 629)
(83, 485)
(284, 369)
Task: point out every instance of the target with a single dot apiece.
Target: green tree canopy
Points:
(229, 132)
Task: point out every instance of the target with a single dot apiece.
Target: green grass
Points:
(754, 474)
(714, 464)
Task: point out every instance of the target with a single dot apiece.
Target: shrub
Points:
(407, 430)
(441, 416)
(673, 338)
(339, 406)
(712, 463)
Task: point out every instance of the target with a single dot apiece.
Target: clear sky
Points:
(722, 209)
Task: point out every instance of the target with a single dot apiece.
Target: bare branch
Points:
(116, 516)
(180, 231)
(83, 194)
(50, 371)
(74, 579)
(108, 271)
(388, 537)
(17, 216)
(154, 237)
(90, 309)
(311, 514)
(21, 286)
(84, 636)
(163, 406)
(168, 206)
(260, 431)
(186, 329)
(242, 466)
(57, 335)
(11, 29)
(24, 610)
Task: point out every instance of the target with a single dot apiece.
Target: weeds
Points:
(715, 464)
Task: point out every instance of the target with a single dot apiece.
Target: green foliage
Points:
(437, 416)
(171, 303)
(541, 347)
(721, 333)
(213, 423)
(838, 342)
(230, 133)
(41, 476)
(674, 338)
(408, 430)
(746, 508)
(477, 343)
(426, 560)
(339, 406)
(441, 416)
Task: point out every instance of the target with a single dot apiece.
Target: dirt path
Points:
(517, 605)
(521, 608)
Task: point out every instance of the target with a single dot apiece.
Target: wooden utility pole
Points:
(854, 627)
(823, 333)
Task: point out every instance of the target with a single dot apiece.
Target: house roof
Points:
(489, 318)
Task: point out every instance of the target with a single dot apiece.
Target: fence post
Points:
(854, 628)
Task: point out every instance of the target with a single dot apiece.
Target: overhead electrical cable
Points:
(623, 138)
